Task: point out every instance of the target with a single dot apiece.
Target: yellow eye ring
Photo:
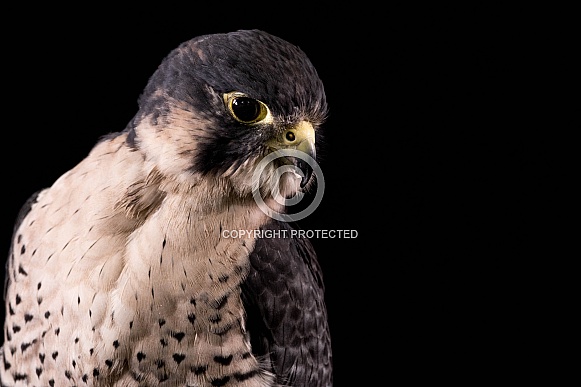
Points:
(246, 109)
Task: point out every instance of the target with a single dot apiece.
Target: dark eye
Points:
(245, 109)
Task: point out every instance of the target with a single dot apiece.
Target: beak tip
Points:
(307, 173)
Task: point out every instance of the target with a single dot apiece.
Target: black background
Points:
(420, 158)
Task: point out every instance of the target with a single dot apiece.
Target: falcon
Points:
(149, 262)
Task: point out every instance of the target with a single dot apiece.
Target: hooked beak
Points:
(300, 137)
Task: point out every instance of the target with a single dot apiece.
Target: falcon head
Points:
(218, 104)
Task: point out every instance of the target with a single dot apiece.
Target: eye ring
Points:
(245, 109)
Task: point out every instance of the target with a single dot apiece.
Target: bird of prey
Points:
(121, 272)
